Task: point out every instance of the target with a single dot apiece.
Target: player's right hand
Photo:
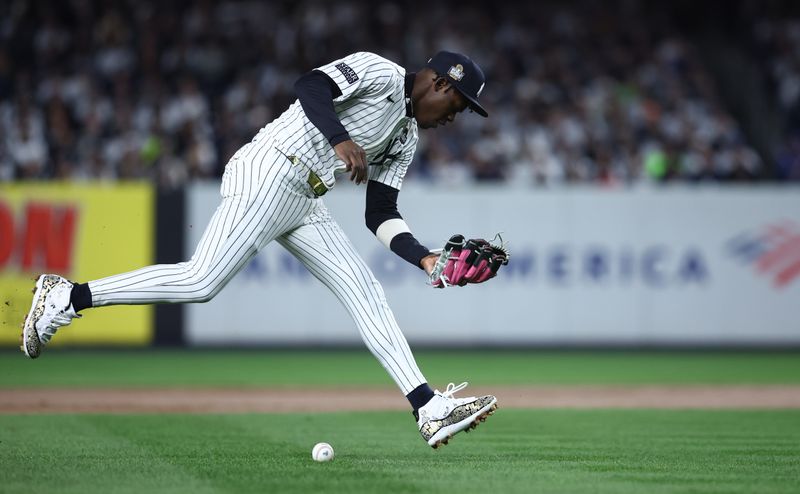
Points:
(355, 158)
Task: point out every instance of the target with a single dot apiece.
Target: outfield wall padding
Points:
(645, 266)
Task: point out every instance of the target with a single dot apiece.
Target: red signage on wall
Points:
(40, 238)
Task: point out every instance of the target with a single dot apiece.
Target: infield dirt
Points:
(264, 400)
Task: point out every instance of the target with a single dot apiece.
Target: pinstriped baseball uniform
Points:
(266, 196)
(373, 110)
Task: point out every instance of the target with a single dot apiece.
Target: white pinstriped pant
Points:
(265, 198)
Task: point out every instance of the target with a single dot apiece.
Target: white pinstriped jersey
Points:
(265, 199)
(372, 109)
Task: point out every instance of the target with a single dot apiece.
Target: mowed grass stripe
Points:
(515, 451)
(82, 453)
(203, 368)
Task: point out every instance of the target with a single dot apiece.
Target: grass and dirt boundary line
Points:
(279, 400)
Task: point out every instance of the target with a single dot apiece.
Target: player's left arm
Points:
(384, 220)
(381, 214)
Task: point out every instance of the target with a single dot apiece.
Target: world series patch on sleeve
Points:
(463, 261)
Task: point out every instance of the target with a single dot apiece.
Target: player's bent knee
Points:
(204, 294)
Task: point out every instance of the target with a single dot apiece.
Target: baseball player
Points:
(359, 114)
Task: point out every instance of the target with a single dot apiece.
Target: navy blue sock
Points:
(81, 296)
(420, 396)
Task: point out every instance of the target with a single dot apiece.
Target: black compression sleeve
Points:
(382, 206)
(316, 91)
(407, 247)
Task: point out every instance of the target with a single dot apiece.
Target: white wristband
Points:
(390, 229)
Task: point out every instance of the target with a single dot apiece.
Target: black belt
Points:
(318, 187)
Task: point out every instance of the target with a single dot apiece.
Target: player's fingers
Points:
(359, 174)
(353, 168)
(349, 163)
(360, 166)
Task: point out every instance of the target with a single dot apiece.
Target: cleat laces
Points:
(452, 388)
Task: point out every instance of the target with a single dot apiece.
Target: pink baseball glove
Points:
(463, 261)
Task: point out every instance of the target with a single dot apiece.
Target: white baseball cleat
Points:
(444, 416)
(50, 309)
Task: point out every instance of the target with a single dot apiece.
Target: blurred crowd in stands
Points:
(777, 47)
(577, 92)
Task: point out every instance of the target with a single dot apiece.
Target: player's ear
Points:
(440, 84)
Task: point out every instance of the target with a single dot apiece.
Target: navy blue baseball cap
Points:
(462, 73)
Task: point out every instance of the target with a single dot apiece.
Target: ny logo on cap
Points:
(456, 72)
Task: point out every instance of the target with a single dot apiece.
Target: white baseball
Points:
(322, 452)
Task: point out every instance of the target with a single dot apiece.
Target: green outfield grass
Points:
(515, 451)
(197, 368)
(627, 451)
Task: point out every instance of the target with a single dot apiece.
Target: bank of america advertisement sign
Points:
(589, 267)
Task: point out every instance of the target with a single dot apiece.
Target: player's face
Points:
(440, 105)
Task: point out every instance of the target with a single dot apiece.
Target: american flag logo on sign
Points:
(774, 251)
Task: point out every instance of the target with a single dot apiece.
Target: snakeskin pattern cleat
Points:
(50, 309)
(445, 416)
